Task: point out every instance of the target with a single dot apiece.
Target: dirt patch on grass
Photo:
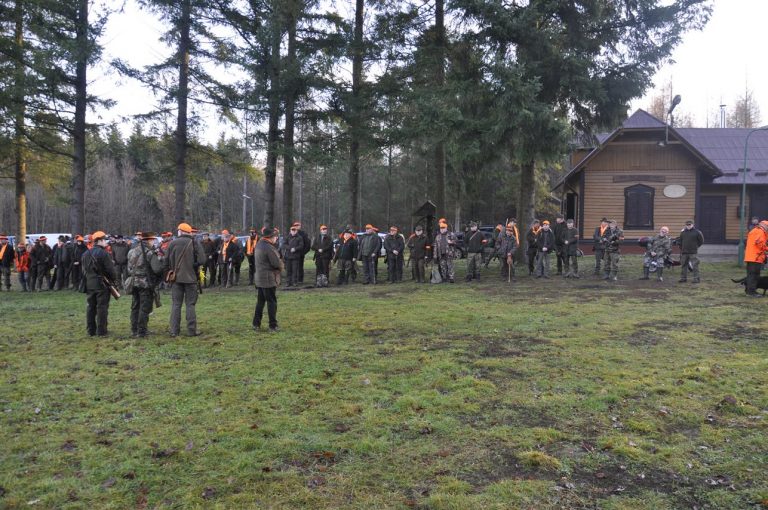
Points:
(737, 332)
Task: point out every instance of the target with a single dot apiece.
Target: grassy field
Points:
(536, 394)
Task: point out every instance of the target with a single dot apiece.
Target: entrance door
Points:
(712, 219)
(758, 203)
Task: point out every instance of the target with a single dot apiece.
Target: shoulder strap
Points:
(181, 255)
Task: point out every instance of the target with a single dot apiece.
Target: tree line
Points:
(362, 109)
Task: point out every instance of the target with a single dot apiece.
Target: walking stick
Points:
(509, 271)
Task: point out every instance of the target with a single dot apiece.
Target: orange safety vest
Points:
(224, 250)
(250, 244)
(22, 261)
(756, 246)
(602, 230)
(2, 250)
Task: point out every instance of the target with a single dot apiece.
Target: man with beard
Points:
(323, 248)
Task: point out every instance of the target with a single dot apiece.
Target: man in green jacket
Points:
(145, 267)
(268, 267)
(185, 255)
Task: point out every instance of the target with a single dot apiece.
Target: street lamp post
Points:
(743, 205)
(246, 197)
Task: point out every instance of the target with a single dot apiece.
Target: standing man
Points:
(417, 243)
(209, 268)
(165, 242)
(690, 240)
(346, 255)
(370, 246)
(267, 278)
(227, 252)
(475, 243)
(97, 267)
(184, 258)
(145, 267)
(599, 244)
(612, 238)
(6, 262)
(323, 248)
(657, 250)
(293, 253)
(21, 259)
(394, 246)
(43, 263)
(78, 250)
(444, 251)
(305, 249)
(120, 250)
(571, 250)
(545, 242)
(754, 256)
(250, 246)
(237, 261)
(560, 232)
(61, 262)
(532, 238)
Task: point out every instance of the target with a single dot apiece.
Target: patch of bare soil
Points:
(738, 332)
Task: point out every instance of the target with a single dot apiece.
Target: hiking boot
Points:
(696, 280)
(682, 280)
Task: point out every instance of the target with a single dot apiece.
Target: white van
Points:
(50, 239)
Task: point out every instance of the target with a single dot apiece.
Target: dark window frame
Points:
(651, 192)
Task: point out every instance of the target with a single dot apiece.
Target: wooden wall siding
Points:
(733, 197)
(603, 197)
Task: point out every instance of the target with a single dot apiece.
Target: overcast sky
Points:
(710, 68)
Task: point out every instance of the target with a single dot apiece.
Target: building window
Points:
(638, 207)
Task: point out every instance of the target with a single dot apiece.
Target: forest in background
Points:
(348, 112)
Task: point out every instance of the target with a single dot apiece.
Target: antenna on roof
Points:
(675, 102)
(722, 115)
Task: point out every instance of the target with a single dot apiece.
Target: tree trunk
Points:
(355, 114)
(439, 82)
(77, 204)
(389, 186)
(20, 152)
(527, 208)
(270, 172)
(290, 106)
(181, 123)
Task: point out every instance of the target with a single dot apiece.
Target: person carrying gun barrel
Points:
(612, 238)
(417, 243)
(99, 274)
(599, 246)
(144, 267)
(657, 250)
(476, 242)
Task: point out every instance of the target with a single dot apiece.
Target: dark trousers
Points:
(599, 256)
(392, 269)
(266, 295)
(369, 269)
(74, 275)
(183, 293)
(322, 266)
(753, 274)
(251, 268)
(32, 277)
(122, 273)
(24, 281)
(43, 273)
(62, 278)
(417, 267)
(226, 275)
(300, 274)
(531, 254)
(97, 311)
(210, 272)
(560, 251)
(6, 274)
(292, 270)
(345, 270)
(236, 271)
(507, 270)
(141, 307)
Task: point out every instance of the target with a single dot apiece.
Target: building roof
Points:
(720, 149)
(724, 147)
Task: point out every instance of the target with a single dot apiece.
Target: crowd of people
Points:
(101, 265)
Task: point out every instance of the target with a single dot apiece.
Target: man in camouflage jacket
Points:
(145, 267)
(657, 249)
(444, 251)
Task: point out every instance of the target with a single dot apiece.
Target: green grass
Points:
(538, 394)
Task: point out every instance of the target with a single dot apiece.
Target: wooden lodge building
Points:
(646, 174)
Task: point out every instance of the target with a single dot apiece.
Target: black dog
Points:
(762, 283)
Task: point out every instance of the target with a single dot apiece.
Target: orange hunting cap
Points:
(443, 224)
(184, 227)
(79, 238)
(95, 236)
(545, 222)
